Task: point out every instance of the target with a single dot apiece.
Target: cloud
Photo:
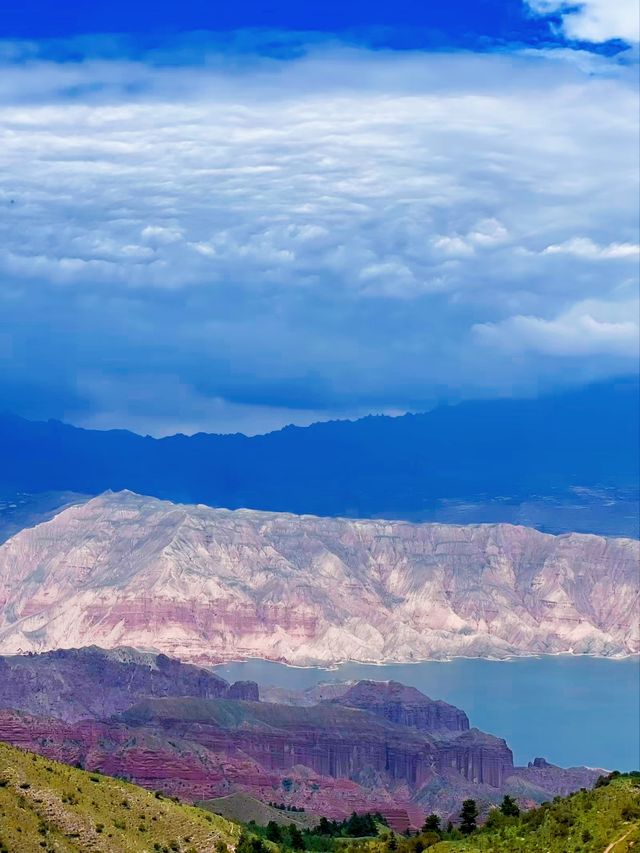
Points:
(583, 247)
(486, 232)
(254, 242)
(587, 328)
(594, 20)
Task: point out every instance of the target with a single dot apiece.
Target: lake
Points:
(569, 710)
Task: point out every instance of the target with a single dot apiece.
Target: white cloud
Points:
(587, 328)
(485, 233)
(310, 236)
(583, 247)
(595, 20)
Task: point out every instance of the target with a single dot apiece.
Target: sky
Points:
(231, 218)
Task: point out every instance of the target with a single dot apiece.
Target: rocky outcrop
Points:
(404, 705)
(247, 690)
(92, 683)
(478, 757)
(204, 585)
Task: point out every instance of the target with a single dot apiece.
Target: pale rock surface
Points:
(207, 585)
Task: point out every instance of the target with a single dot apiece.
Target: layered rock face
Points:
(203, 748)
(330, 740)
(91, 683)
(404, 705)
(479, 757)
(206, 585)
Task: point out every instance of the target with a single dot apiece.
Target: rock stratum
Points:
(207, 585)
(175, 727)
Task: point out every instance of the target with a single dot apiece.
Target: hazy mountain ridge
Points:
(206, 585)
(527, 460)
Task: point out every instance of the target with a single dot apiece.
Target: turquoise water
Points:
(569, 710)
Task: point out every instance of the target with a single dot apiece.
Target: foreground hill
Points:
(497, 460)
(604, 820)
(49, 806)
(207, 584)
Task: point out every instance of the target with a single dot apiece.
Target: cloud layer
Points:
(594, 20)
(247, 243)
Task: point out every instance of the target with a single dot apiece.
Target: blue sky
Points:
(263, 213)
(451, 22)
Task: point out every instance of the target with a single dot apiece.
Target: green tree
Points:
(468, 817)
(432, 824)
(273, 832)
(509, 807)
(246, 844)
(296, 838)
(325, 827)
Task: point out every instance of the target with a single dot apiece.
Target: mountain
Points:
(563, 462)
(329, 758)
(206, 585)
(47, 805)
(93, 683)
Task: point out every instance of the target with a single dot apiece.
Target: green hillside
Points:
(605, 818)
(243, 808)
(47, 806)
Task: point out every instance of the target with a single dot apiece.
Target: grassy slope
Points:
(585, 821)
(244, 808)
(46, 806)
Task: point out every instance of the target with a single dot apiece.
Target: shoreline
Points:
(332, 667)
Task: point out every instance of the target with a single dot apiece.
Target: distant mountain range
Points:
(209, 584)
(546, 461)
(173, 727)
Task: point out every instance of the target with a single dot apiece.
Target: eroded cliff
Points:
(208, 584)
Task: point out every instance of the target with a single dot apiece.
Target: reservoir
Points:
(570, 710)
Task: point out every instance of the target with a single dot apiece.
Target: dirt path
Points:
(618, 840)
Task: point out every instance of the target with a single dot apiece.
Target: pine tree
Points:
(273, 832)
(468, 817)
(509, 807)
(296, 838)
(432, 824)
